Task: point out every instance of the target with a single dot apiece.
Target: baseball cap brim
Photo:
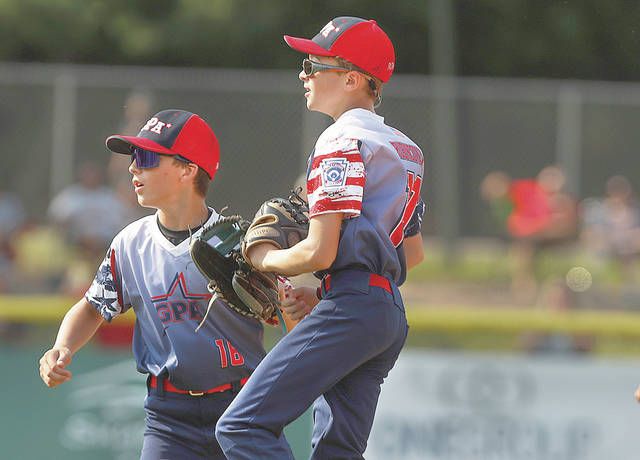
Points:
(122, 144)
(304, 45)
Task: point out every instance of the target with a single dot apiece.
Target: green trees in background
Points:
(587, 39)
(592, 39)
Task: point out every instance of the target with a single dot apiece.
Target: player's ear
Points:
(353, 80)
(350, 80)
(189, 172)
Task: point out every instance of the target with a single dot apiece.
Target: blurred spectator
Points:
(89, 212)
(494, 189)
(42, 256)
(12, 221)
(563, 208)
(535, 214)
(553, 224)
(611, 225)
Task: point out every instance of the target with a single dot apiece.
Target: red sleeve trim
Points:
(114, 274)
(327, 204)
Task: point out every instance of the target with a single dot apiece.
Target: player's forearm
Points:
(78, 326)
(305, 257)
(413, 250)
(316, 252)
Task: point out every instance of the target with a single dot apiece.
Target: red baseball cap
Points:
(174, 132)
(361, 42)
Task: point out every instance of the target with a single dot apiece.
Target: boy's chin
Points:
(145, 203)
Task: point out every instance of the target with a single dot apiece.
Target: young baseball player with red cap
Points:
(363, 184)
(192, 374)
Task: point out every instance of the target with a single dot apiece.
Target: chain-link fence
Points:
(55, 117)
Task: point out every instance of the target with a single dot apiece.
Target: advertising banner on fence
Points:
(458, 406)
(97, 415)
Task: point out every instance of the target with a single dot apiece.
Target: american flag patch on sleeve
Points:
(336, 180)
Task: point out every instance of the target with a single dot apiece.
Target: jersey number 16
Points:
(234, 355)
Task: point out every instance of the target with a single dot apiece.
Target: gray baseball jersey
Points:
(144, 271)
(373, 174)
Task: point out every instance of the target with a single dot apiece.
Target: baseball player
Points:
(363, 183)
(192, 376)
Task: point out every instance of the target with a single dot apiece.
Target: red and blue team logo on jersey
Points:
(174, 307)
(334, 172)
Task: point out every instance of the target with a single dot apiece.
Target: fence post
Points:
(442, 48)
(569, 136)
(63, 126)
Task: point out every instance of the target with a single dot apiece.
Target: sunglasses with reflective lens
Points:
(146, 159)
(310, 67)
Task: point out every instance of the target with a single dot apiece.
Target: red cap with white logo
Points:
(174, 132)
(361, 42)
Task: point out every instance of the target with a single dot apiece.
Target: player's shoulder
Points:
(136, 229)
(368, 133)
(358, 123)
(366, 126)
(332, 142)
(346, 134)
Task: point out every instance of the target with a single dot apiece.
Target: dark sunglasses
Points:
(310, 67)
(146, 159)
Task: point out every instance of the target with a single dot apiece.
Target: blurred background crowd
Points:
(58, 252)
(538, 215)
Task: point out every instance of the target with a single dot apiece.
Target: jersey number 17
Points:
(414, 183)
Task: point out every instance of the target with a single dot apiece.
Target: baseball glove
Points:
(281, 222)
(216, 253)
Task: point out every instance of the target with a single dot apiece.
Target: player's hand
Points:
(53, 366)
(638, 393)
(298, 302)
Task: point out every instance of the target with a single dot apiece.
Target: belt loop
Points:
(236, 386)
(160, 385)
